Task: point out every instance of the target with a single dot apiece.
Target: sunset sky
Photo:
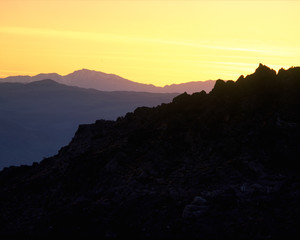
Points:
(158, 42)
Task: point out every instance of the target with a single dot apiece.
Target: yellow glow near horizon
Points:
(157, 42)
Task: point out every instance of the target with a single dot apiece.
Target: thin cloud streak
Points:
(13, 72)
(111, 37)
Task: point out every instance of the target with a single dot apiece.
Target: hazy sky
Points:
(158, 42)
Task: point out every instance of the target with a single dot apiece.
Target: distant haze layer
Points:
(38, 118)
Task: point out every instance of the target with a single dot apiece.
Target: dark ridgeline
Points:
(206, 166)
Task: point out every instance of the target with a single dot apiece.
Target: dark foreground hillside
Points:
(206, 166)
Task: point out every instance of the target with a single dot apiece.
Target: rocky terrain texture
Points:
(222, 165)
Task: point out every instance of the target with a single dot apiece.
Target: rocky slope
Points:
(206, 166)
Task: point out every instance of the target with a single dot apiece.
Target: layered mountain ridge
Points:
(85, 78)
(205, 166)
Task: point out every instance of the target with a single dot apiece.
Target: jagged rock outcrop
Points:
(206, 166)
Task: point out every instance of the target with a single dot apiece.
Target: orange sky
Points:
(158, 42)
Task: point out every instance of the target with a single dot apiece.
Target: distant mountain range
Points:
(37, 118)
(109, 82)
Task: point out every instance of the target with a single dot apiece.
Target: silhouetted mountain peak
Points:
(219, 86)
(241, 78)
(262, 67)
(262, 78)
(83, 72)
(48, 75)
(264, 71)
(89, 74)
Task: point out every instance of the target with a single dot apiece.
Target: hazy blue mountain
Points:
(110, 82)
(37, 118)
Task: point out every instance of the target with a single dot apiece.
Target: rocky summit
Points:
(217, 165)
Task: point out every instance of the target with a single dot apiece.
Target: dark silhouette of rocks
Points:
(222, 165)
(85, 78)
